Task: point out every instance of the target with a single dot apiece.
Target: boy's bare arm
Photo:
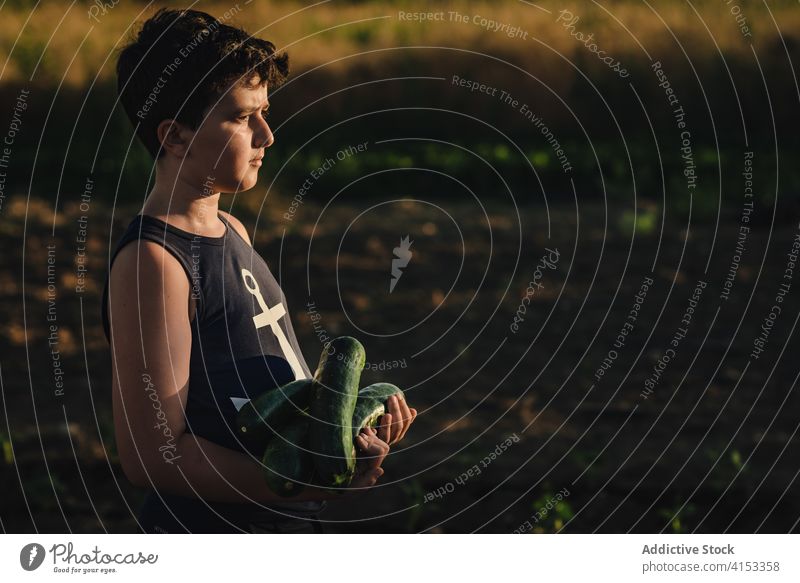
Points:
(151, 345)
(209, 471)
(214, 472)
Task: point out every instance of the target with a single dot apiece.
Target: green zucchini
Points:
(333, 402)
(288, 465)
(371, 404)
(258, 418)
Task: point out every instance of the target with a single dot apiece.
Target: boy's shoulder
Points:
(237, 224)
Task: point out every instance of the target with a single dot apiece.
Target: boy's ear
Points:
(174, 137)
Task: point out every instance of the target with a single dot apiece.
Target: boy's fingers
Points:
(397, 416)
(384, 447)
(367, 477)
(373, 452)
(408, 417)
(384, 429)
(376, 444)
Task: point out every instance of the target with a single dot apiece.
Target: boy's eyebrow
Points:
(253, 109)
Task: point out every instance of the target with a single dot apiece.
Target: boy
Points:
(196, 322)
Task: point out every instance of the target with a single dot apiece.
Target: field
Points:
(606, 347)
(691, 456)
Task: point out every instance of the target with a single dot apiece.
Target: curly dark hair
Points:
(181, 62)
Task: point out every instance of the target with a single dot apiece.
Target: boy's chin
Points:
(248, 182)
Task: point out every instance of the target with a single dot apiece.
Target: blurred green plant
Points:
(736, 459)
(582, 457)
(415, 495)
(362, 35)
(8, 451)
(678, 516)
(553, 519)
(643, 220)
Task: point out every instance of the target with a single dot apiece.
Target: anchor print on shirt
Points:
(269, 316)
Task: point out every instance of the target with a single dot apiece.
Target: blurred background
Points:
(635, 161)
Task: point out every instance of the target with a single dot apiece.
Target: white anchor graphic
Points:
(239, 402)
(269, 317)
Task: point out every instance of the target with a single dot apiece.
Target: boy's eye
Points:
(264, 114)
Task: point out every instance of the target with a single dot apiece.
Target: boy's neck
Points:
(195, 208)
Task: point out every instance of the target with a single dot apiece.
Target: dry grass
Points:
(77, 48)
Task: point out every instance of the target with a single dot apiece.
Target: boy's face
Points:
(231, 135)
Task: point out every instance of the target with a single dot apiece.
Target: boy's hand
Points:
(370, 451)
(392, 426)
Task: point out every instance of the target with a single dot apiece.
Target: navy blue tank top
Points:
(243, 344)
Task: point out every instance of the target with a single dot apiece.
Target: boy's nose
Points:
(266, 138)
